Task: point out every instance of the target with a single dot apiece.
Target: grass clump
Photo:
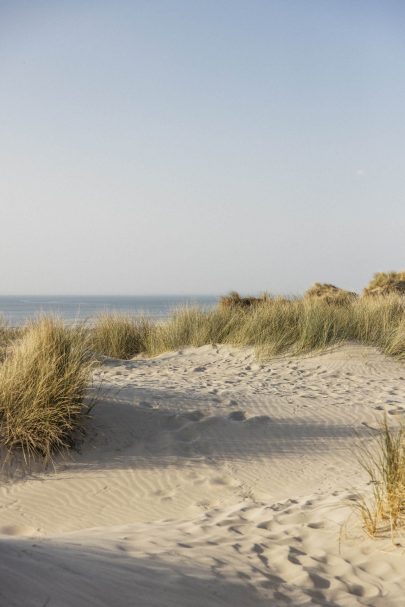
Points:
(234, 300)
(294, 326)
(43, 384)
(385, 283)
(376, 320)
(193, 327)
(384, 463)
(120, 335)
(7, 336)
(395, 345)
(330, 294)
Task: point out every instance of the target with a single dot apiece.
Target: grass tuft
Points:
(234, 300)
(384, 462)
(7, 336)
(43, 383)
(330, 294)
(120, 335)
(385, 283)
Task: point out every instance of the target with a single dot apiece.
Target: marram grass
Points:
(384, 461)
(119, 335)
(272, 327)
(43, 384)
(7, 336)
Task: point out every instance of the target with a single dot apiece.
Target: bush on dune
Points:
(234, 300)
(330, 294)
(386, 283)
(43, 384)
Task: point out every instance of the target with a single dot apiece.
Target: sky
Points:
(198, 147)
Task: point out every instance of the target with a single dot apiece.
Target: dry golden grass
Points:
(43, 384)
(234, 300)
(330, 294)
(395, 345)
(385, 283)
(119, 335)
(272, 326)
(7, 336)
(195, 327)
(384, 462)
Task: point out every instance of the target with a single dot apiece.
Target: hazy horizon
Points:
(198, 148)
(89, 295)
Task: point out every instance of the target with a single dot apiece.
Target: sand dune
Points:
(208, 478)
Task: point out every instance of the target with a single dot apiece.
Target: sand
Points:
(207, 478)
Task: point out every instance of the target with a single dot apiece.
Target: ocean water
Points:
(16, 310)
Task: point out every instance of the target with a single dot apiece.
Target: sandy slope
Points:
(208, 478)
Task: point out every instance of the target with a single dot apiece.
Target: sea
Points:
(16, 310)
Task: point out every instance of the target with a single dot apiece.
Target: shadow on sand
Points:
(50, 573)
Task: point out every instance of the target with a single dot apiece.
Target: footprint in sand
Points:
(237, 416)
(18, 530)
(194, 416)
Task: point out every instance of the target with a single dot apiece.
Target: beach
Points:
(210, 478)
(202, 304)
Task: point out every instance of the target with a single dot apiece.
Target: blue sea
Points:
(16, 310)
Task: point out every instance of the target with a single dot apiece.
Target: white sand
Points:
(209, 479)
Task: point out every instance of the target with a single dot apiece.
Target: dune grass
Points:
(7, 336)
(234, 300)
(385, 283)
(384, 462)
(330, 294)
(43, 384)
(272, 327)
(120, 335)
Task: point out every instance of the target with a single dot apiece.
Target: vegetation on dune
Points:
(384, 462)
(234, 300)
(385, 283)
(7, 336)
(272, 326)
(330, 294)
(43, 384)
(120, 335)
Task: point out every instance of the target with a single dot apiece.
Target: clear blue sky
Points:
(167, 146)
